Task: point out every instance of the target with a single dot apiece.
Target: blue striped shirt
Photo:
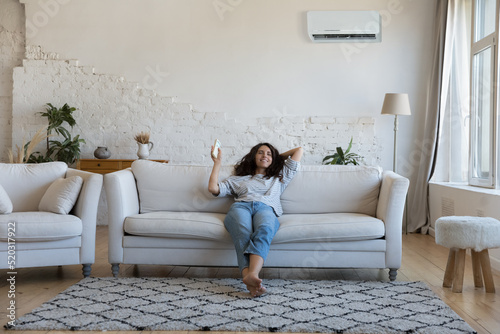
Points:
(258, 188)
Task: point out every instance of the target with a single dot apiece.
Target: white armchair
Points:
(47, 215)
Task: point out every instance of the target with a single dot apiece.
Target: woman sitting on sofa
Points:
(257, 184)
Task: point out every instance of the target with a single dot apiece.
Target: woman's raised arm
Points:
(213, 182)
(294, 153)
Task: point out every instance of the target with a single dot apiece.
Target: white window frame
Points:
(489, 41)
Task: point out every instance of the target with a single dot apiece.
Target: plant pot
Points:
(144, 149)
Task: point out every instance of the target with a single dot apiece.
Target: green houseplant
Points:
(341, 157)
(67, 149)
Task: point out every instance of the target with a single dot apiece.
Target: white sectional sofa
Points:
(334, 217)
(47, 215)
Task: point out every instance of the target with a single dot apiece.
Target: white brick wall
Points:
(11, 55)
(112, 110)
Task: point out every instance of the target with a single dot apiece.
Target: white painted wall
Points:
(249, 58)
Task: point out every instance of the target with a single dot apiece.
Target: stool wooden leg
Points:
(450, 269)
(476, 269)
(458, 281)
(487, 275)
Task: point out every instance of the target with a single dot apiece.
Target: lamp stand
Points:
(395, 166)
(394, 163)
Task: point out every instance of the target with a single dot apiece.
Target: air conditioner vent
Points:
(344, 36)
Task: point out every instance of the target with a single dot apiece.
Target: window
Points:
(482, 159)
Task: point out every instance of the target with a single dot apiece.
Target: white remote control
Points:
(215, 152)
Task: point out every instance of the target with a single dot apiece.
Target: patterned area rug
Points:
(205, 304)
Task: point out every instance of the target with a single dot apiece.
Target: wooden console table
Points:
(104, 166)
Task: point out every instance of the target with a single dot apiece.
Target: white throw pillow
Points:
(5, 202)
(61, 196)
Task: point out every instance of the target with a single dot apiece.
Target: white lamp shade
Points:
(396, 104)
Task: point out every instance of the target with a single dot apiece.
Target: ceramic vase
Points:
(102, 152)
(144, 149)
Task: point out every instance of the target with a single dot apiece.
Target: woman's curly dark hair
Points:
(247, 165)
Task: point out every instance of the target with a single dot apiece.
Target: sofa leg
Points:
(392, 274)
(115, 269)
(86, 268)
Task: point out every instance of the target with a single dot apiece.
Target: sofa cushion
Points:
(27, 183)
(190, 225)
(167, 187)
(5, 202)
(61, 196)
(329, 189)
(328, 227)
(40, 226)
(293, 228)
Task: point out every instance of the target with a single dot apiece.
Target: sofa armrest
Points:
(123, 201)
(86, 209)
(390, 209)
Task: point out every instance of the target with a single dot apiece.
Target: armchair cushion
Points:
(41, 226)
(26, 183)
(5, 202)
(61, 195)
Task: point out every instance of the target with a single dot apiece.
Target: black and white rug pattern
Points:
(206, 304)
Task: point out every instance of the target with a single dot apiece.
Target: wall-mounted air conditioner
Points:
(344, 26)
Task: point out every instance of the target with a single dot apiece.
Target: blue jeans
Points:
(252, 226)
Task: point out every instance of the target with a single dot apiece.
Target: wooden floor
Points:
(423, 260)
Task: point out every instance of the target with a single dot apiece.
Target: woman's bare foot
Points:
(254, 285)
(256, 292)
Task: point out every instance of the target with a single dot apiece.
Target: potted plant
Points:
(68, 149)
(342, 157)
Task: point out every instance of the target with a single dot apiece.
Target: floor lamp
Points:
(397, 104)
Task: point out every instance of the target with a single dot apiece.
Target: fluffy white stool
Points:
(458, 233)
